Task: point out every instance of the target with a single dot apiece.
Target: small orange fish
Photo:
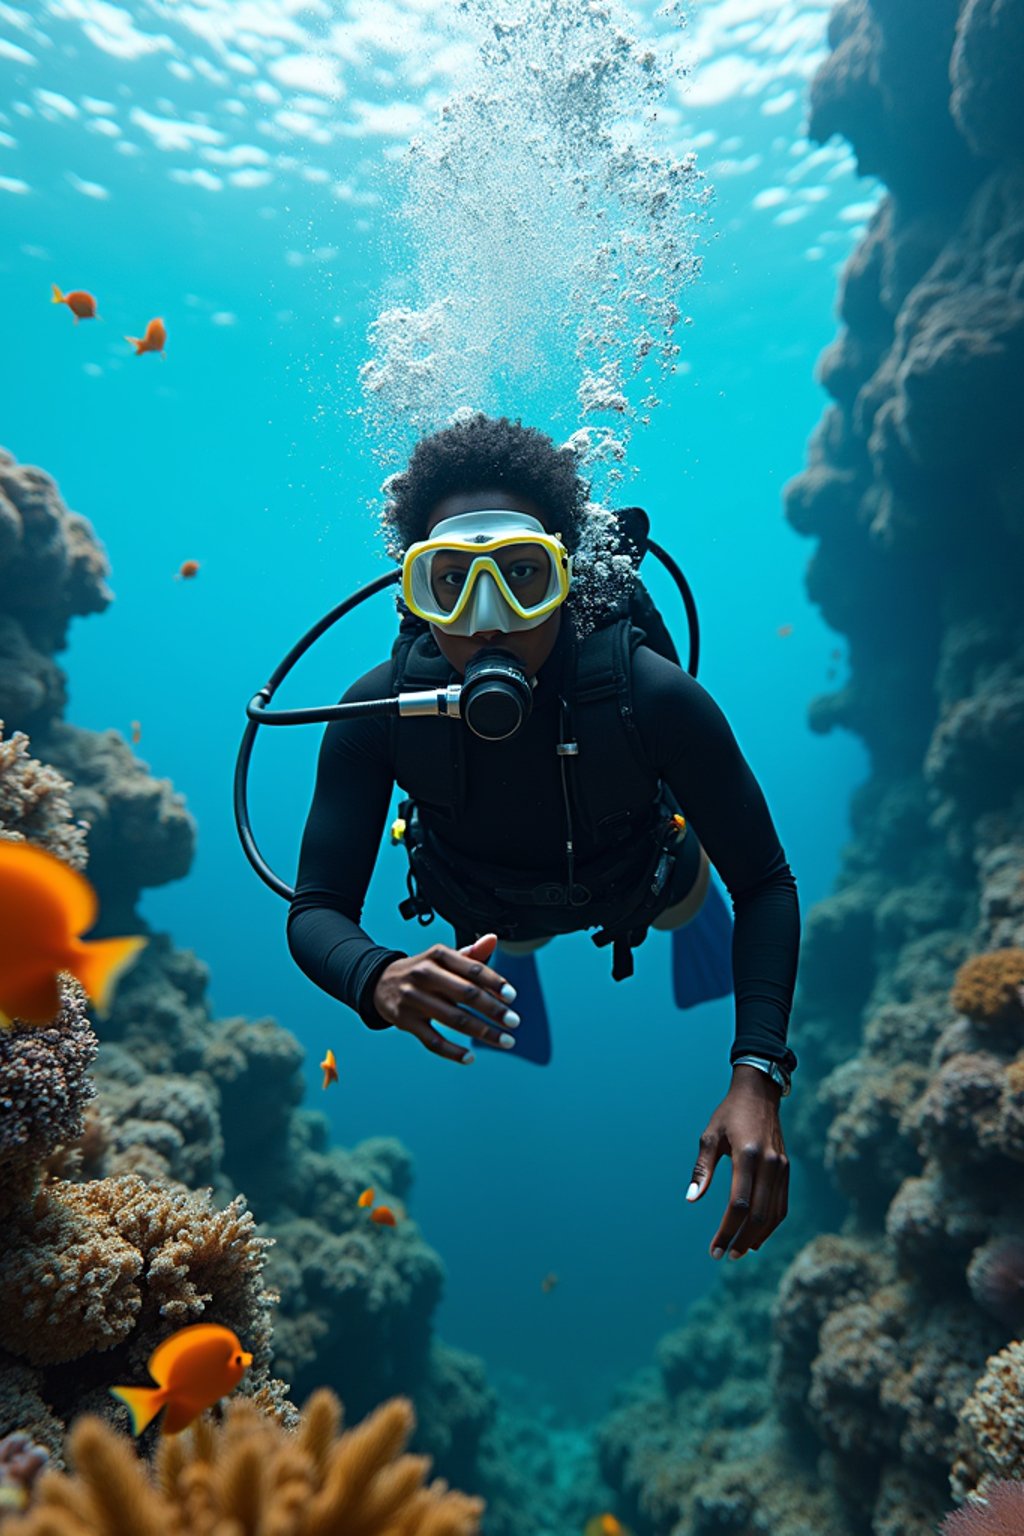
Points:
(44, 906)
(81, 304)
(193, 1369)
(136, 732)
(548, 1283)
(784, 630)
(186, 570)
(329, 1067)
(154, 340)
(366, 1198)
(605, 1525)
(384, 1216)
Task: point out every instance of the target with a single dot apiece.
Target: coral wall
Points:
(881, 1379)
(129, 1179)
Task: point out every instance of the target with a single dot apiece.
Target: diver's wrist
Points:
(759, 1071)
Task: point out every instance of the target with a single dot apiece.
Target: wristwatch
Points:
(774, 1071)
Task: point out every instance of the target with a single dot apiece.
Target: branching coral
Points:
(86, 1263)
(34, 803)
(249, 1475)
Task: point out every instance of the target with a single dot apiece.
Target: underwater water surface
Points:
(236, 170)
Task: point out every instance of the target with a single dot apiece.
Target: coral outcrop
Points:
(249, 1474)
(894, 1369)
(122, 1217)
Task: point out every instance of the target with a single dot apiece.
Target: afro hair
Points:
(480, 453)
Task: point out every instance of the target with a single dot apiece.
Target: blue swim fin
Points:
(702, 954)
(533, 1036)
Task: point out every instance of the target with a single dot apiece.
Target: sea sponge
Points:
(248, 1474)
(990, 1425)
(990, 990)
(34, 803)
(996, 1278)
(44, 1088)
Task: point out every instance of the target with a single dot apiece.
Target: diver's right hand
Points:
(441, 984)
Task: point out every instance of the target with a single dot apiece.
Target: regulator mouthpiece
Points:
(496, 697)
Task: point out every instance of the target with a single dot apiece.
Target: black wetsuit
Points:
(515, 816)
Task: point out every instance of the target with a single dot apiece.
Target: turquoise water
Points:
(242, 189)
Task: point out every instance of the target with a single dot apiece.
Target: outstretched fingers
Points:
(744, 1165)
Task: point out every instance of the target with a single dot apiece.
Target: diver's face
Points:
(532, 647)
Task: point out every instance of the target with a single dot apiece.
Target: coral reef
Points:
(895, 1375)
(122, 1213)
(34, 803)
(990, 1432)
(44, 1089)
(248, 1474)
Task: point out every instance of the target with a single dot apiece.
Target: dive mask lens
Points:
(484, 571)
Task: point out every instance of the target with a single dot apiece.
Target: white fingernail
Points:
(508, 993)
(506, 1042)
(511, 1020)
(693, 1191)
(468, 1058)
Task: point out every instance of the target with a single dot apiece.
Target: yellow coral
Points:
(251, 1477)
(988, 987)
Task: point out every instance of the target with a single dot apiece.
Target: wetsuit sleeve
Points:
(343, 832)
(689, 740)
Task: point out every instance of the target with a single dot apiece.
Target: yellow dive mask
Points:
(486, 570)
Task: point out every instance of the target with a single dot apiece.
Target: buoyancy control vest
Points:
(618, 799)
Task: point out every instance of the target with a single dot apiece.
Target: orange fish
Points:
(154, 340)
(193, 1369)
(329, 1067)
(136, 733)
(81, 304)
(187, 570)
(384, 1216)
(548, 1283)
(366, 1198)
(784, 630)
(44, 906)
(605, 1525)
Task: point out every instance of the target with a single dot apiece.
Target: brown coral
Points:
(990, 1431)
(87, 1263)
(44, 1088)
(988, 989)
(34, 803)
(250, 1475)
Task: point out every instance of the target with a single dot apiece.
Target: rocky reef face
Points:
(130, 1188)
(878, 1379)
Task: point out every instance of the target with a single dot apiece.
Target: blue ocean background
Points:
(244, 449)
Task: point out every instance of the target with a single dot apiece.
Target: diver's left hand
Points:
(746, 1126)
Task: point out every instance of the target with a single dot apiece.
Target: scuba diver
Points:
(592, 784)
